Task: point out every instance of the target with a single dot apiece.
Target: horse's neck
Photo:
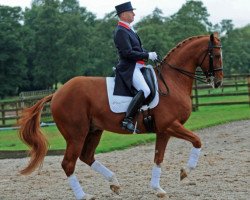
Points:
(184, 57)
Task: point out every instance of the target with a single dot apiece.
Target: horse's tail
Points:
(30, 133)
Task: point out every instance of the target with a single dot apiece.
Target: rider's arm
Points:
(125, 49)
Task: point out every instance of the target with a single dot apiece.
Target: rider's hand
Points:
(152, 56)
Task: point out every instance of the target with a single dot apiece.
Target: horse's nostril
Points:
(218, 84)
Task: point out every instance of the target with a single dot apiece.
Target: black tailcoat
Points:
(130, 51)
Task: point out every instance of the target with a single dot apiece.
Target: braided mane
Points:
(183, 42)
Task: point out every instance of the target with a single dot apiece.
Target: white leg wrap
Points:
(194, 157)
(76, 187)
(155, 179)
(101, 169)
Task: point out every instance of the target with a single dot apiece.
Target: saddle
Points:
(119, 104)
(149, 78)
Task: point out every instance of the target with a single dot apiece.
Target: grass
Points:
(231, 90)
(205, 117)
(224, 99)
(215, 115)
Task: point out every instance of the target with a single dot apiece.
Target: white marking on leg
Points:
(155, 181)
(101, 169)
(193, 158)
(108, 175)
(76, 187)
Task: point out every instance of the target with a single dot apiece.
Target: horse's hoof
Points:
(115, 188)
(160, 192)
(183, 174)
(114, 185)
(161, 195)
(88, 197)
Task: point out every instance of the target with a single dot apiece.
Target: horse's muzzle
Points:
(214, 82)
(217, 83)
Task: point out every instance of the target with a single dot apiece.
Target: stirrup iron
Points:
(127, 124)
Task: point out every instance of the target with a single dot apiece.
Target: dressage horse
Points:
(81, 112)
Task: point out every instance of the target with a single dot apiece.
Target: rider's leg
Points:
(143, 91)
(133, 107)
(139, 82)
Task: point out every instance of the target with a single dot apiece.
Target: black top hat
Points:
(123, 7)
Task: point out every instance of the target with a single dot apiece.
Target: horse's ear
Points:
(212, 37)
(216, 34)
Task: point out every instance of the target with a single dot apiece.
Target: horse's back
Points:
(80, 85)
(79, 92)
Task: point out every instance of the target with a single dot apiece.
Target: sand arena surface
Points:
(222, 173)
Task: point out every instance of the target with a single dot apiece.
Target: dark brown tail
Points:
(30, 133)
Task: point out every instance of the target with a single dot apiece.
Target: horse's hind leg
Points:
(75, 138)
(87, 155)
(88, 148)
(178, 130)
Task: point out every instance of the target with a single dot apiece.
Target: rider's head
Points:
(125, 12)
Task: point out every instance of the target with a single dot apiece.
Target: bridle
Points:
(198, 75)
(212, 69)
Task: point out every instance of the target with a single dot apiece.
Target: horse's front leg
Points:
(179, 131)
(160, 146)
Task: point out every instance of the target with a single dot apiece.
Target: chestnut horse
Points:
(81, 112)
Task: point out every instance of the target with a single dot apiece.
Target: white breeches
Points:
(139, 82)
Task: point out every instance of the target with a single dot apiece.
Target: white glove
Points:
(152, 56)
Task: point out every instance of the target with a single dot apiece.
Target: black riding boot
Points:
(133, 107)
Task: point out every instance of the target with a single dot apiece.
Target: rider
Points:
(132, 59)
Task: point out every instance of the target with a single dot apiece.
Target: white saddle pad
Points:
(119, 104)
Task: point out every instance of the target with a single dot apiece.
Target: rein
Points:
(158, 67)
(198, 75)
(159, 63)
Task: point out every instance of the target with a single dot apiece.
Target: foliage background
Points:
(54, 41)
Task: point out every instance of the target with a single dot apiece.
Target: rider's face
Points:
(127, 16)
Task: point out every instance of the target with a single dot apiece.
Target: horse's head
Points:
(211, 63)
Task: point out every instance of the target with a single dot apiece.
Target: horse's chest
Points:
(180, 105)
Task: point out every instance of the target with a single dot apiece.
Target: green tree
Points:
(224, 27)
(154, 33)
(75, 37)
(12, 59)
(190, 20)
(58, 39)
(236, 48)
(28, 37)
(102, 50)
(161, 33)
(46, 62)
(70, 6)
